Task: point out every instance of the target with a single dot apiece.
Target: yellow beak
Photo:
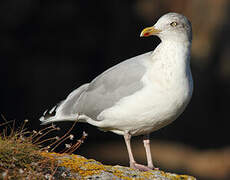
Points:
(149, 31)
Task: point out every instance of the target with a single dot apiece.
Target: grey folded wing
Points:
(111, 86)
(103, 92)
(66, 109)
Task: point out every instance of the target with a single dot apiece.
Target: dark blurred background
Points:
(49, 48)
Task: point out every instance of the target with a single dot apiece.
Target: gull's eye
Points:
(174, 24)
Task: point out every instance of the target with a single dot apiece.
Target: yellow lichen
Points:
(82, 166)
(88, 167)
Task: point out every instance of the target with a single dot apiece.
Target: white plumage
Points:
(141, 94)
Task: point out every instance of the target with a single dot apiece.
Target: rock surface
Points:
(78, 167)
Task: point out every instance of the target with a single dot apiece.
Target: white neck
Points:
(173, 66)
(177, 52)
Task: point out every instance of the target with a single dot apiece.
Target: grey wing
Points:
(103, 92)
(65, 110)
(108, 88)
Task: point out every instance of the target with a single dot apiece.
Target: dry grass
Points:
(29, 155)
(20, 151)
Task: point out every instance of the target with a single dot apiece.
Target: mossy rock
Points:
(78, 167)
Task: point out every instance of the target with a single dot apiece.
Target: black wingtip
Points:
(52, 112)
(49, 113)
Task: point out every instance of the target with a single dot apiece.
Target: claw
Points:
(141, 167)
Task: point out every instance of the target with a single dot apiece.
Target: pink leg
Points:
(146, 142)
(128, 145)
(132, 162)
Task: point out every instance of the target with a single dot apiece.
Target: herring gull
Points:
(139, 95)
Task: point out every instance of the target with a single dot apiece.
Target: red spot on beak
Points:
(146, 34)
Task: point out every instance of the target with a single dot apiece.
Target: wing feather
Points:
(108, 88)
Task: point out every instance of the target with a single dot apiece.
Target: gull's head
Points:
(172, 27)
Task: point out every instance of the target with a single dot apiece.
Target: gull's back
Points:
(111, 86)
(102, 93)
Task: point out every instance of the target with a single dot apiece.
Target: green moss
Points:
(15, 152)
(20, 158)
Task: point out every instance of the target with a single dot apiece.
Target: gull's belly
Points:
(145, 111)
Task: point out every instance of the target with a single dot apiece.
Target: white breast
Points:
(167, 90)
